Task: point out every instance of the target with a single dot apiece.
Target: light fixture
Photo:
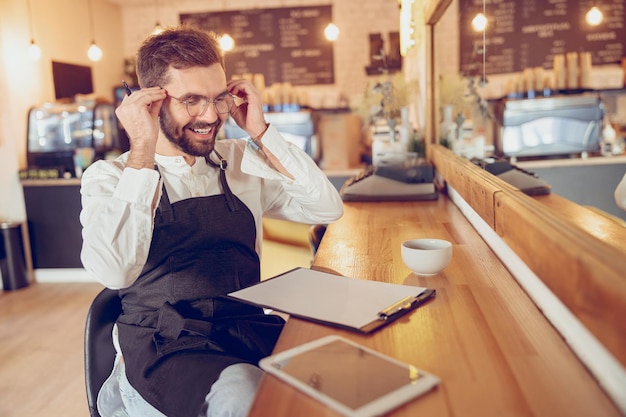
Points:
(331, 32)
(94, 52)
(479, 22)
(34, 51)
(157, 25)
(227, 43)
(594, 16)
(157, 29)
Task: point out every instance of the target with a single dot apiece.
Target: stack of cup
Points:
(538, 78)
(585, 70)
(559, 72)
(529, 84)
(572, 70)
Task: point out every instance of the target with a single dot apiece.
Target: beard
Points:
(180, 137)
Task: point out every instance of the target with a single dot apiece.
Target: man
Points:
(175, 223)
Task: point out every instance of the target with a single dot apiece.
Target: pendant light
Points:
(94, 52)
(34, 51)
(479, 22)
(594, 16)
(227, 43)
(157, 25)
(331, 32)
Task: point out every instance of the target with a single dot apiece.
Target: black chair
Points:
(99, 349)
(316, 233)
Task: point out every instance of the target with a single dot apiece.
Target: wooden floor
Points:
(41, 350)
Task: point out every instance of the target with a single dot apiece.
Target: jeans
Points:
(230, 396)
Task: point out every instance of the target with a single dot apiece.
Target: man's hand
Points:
(139, 114)
(249, 116)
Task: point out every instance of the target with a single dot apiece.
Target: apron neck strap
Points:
(223, 164)
(165, 208)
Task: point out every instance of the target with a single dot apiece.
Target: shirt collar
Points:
(177, 164)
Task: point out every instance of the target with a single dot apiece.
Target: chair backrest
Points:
(99, 349)
(316, 233)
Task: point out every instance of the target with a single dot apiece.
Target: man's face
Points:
(189, 134)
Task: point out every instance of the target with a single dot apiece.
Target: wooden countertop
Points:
(495, 352)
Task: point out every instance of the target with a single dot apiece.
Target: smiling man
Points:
(175, 223)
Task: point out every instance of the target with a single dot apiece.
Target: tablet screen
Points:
(347, 373)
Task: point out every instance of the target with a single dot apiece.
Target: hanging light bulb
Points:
(227, 43)
(331, 32)
(479, 22)
(34, 51)
(157, 29)
(157, 26)
(594, 16)
(94, 53)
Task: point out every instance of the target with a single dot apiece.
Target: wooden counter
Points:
(576, 252)
(495, 352)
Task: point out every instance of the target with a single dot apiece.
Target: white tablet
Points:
(352, 379)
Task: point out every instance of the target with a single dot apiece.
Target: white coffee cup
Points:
(426, 256)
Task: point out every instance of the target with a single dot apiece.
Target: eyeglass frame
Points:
(221, 97)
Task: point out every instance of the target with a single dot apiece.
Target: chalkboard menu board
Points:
(284, 44)
(528, 33)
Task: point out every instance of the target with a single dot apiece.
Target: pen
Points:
(127, 88)
(403, 304)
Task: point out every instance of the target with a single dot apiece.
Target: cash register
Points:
(405, 180)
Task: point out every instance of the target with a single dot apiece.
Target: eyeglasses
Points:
(197, 105)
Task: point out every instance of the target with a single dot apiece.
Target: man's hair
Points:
(180, 47)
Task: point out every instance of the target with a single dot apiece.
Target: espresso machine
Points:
(68, 136)
(549, 126)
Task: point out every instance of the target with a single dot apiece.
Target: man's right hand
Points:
(139, 114)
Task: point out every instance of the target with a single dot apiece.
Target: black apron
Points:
(176, 333)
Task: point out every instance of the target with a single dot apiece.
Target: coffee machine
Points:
(67, 137)
(549, 126)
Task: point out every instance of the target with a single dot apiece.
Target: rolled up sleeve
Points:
(309, 197)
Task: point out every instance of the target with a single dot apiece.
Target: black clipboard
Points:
(354, 304)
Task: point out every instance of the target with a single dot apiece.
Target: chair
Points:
(316, 233)
(99, 349)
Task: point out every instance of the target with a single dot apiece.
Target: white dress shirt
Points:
(119, 203)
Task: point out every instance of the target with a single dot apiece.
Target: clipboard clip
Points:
(405, 304)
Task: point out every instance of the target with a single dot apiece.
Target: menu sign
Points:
(529, 33)
(284, 44)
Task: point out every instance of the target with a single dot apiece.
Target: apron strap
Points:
(230, 198)
(165, 207)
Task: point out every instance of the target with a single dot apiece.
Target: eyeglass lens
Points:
(197, 107)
